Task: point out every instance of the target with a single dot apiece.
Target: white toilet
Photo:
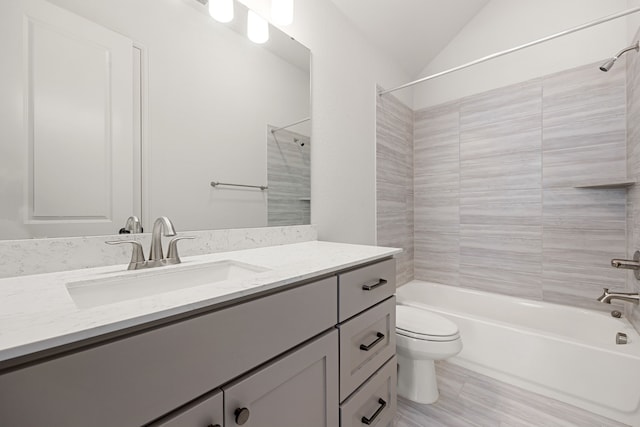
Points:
(421, 338)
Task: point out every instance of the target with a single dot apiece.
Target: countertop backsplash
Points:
(35, 256)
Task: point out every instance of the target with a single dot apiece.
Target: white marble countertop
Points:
(37, 312)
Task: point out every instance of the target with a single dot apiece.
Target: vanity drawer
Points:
(374, 401)
(208, 411)
(366, 342)
(134, 380)
(360, 289)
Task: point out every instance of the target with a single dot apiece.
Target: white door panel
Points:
(73, 145)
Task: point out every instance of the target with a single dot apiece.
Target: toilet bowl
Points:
(422, 337)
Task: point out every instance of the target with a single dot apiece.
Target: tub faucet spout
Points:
(607, 296)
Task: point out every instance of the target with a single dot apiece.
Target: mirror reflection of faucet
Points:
(132, 226)
(161, 227)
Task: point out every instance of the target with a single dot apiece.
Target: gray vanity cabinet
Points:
(299, 389)
(282, 359)
(139, 378)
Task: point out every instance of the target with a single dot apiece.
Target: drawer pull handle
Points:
(380, 336)
(211, 425)
(368, 421)
(242, 416)
(375, 284)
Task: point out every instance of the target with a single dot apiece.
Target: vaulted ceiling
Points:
(412, 32)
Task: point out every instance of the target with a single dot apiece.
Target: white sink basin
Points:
(142, 283)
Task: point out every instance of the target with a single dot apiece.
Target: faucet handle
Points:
(137, 256)
(172, 252)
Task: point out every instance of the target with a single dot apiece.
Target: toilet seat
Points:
(424, 325)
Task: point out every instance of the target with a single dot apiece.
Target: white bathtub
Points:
(562, 352)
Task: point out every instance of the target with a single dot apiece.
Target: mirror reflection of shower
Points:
(289, 174)
(290, 125)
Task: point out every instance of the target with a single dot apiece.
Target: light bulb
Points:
(221, 10)
(282, 12)
(257, 28)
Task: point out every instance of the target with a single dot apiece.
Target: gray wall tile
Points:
(508, 103)
(502, 207)
(633, 170)
(437, 256)
(508, 206)
(584, 140)
(394, 182)
(437, 199)
(500, 181)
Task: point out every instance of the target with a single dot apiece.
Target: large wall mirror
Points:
(135, 107)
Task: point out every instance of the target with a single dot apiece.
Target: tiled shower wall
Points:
(633, 169)
(394, 182)
(496, 206)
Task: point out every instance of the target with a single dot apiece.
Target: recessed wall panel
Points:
(69, 119)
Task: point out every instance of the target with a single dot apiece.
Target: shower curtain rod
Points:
(291, 124)
(514, 49)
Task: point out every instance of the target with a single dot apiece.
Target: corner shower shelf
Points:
(621, 183)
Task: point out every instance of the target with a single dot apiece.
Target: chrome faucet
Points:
(607, 296)
(161, 227)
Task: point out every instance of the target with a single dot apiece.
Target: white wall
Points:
(503, 24)
(344, 73)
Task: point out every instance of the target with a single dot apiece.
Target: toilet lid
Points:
(415, 321)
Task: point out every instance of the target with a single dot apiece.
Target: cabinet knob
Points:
(242, 415)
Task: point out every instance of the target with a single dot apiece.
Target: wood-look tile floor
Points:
(470, 399)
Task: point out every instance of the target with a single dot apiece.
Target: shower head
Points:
(607, 65)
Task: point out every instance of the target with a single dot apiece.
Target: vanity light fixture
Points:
(221, 10)
(282, 12)
(257, 28)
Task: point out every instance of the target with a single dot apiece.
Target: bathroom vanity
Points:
(308, 340)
